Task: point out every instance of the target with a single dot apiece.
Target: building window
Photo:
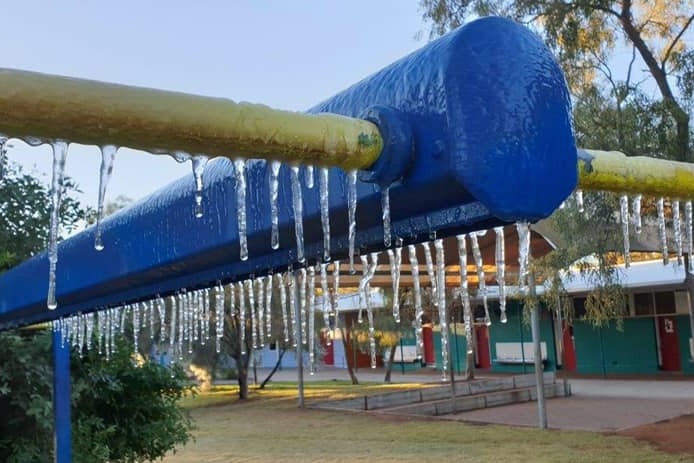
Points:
(643, 304)
(665, 302)
(579, 307)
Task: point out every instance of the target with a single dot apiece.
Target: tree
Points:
(586, 34)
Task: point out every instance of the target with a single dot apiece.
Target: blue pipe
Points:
(61, 399)
(478, 134)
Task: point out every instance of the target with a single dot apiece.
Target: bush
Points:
(121, 412)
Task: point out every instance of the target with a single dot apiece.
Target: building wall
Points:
(458, 348)
(684, 332)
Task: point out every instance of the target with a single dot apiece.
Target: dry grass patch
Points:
(270, 428)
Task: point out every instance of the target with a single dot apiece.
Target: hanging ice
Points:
(219, 303)
(274, 206)
(523, 229)
(481, 284)
(395, 260)
(326, 301)
(501, 271)
(298, 205)
(624, 217)
(260, 302)
(240, 174)
(385, 209)
(325, 211)
(414, 264)
(250, 291)
(369, 309)
(352, 215)
(296, 330)
(59, 156)
(677, 229)
(636, 210)
(309, 176)
(108, 156)
(464, 293)
(302, 303)
(283, 306)
(268, 306)
(311, 319)
(688, 231)
(441, 298)
(362, 287)
(430, 270)
(660, 207)
(198, 162)
(579, 200)
(335, 295)
(242, 317)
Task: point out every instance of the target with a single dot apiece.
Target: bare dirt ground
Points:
(672, 436)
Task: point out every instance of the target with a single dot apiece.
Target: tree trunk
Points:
(242, 370)
(389, 367)
(274, 369)
(350, 368)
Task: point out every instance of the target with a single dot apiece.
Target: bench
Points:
(517, 353)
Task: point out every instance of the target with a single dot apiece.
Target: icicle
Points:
(240, 174)
(660, 206)
(369, 309)
(108, 156)
(219, 302)
(430, 270)
(335, 295)
(198, 162)
(414, 264)
(172, 326)
(362, 287)
(242, 317)
(385, 209)
(274, 205)
(268, 306)
(464, 293)
(150, 313)
(325, 211)
(260, 303)
(501, 271)
(624, 217)
(302, 304)
(311, 319)
(136, 328)
(395, 260)
(161, 312)
(523, 229)
(482, 284)
(636, 209)
(283, 306)
(254, 313)
(677, 228)
(298, 205)
(326, 305)
(441, 297)
(296, 330)
(59, 155)
(688, 231)
(308, 174)
(352, 214)
(579, 201)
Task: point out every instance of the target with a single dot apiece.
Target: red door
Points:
(669, 348)
(569, 348)
(484, 356)
(428, 340)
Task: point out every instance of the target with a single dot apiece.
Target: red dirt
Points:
(672, 436)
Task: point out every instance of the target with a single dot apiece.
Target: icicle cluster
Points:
(500, 255)
(441, 299)
(464, 293)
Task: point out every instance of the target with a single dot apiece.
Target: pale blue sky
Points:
(286, 54)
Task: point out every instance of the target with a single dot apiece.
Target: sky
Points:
(285, 54)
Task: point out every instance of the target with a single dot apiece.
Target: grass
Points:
(270, 428)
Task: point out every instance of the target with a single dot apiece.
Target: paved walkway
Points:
(596, 404)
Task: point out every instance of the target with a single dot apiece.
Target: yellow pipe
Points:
(96, 113)
(614, 171)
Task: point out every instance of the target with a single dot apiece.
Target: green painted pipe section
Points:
(45, 107)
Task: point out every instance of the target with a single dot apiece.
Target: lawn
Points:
(270, 428)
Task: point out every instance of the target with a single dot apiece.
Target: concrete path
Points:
(596, 404)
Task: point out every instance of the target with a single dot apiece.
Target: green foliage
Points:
(126, 412)
(25, 215)
(121, 412)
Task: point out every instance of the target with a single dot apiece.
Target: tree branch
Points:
(676, 39)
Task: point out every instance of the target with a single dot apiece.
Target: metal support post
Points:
(61, 399)
(537, 351)
(299, 344)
